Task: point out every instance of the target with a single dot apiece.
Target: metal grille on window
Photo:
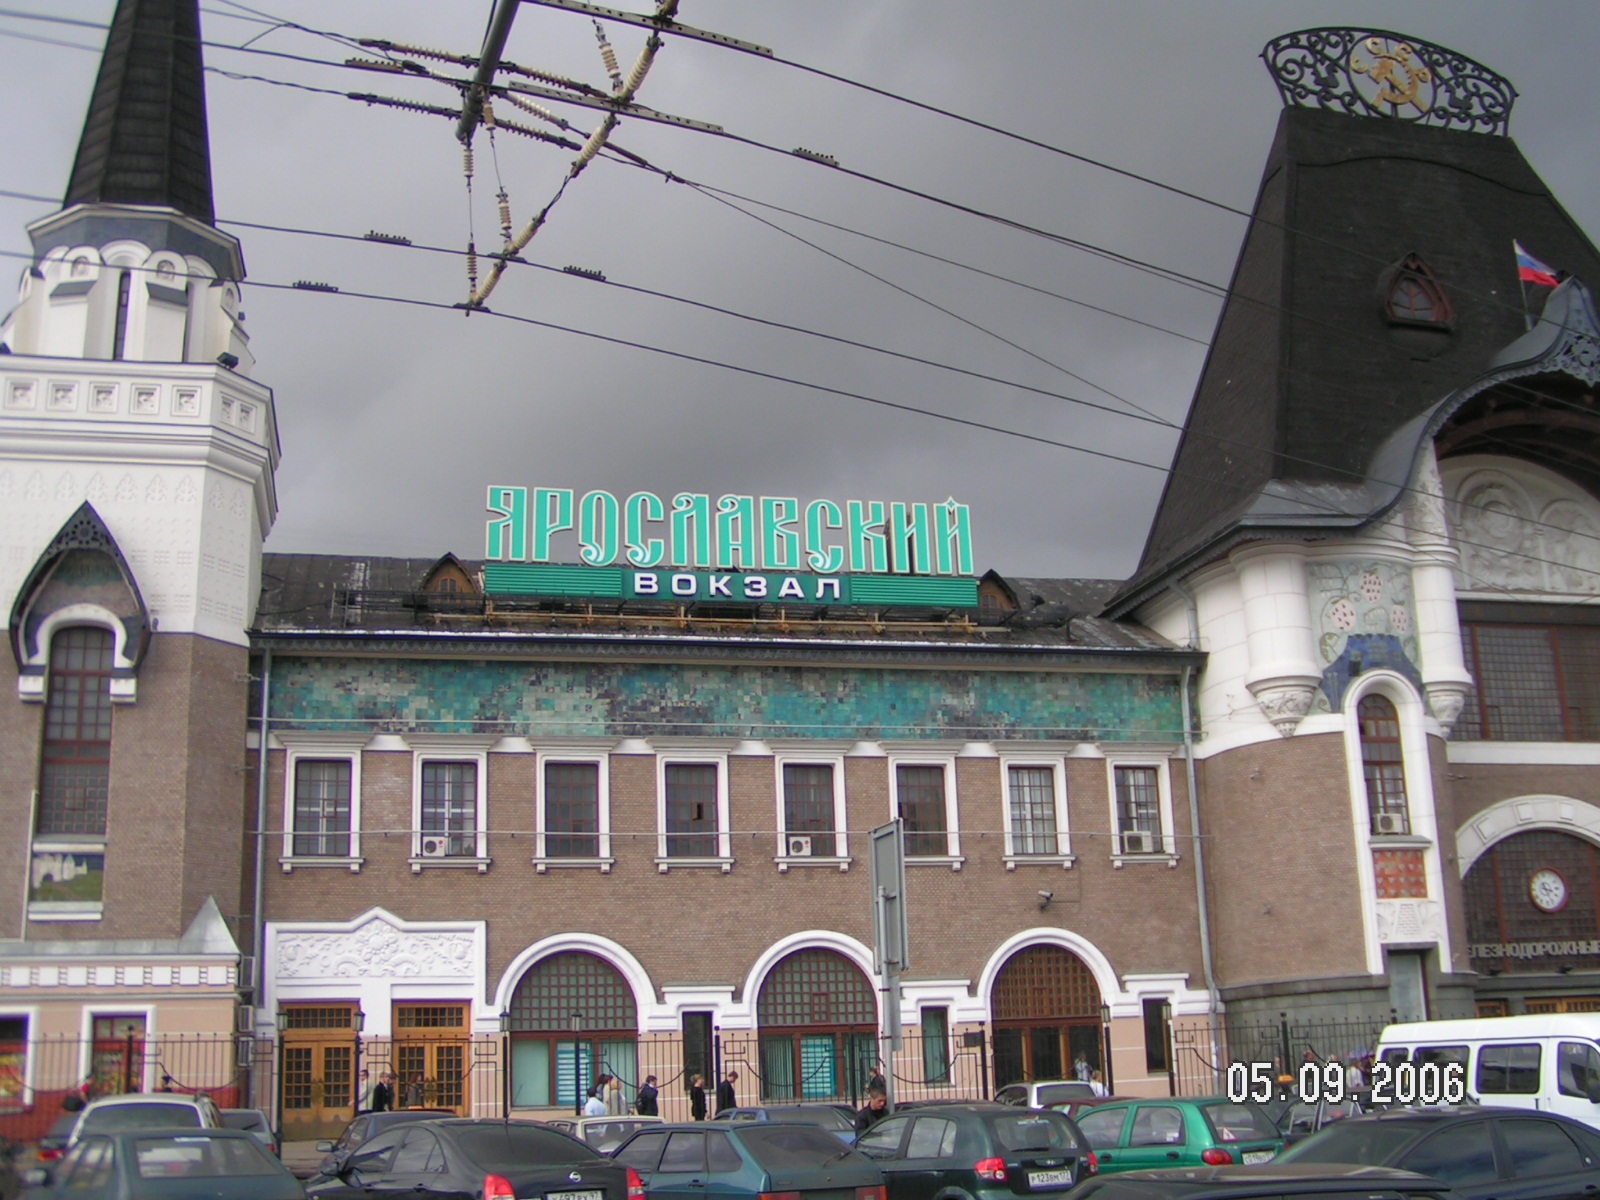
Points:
(691, 810)
(1138, 810)
(430, 1016)
(572, 810)
(75, 767)
(816, 987)
(1533, 684)
(1045, 981)
(337, 1017)
(556, 988)
(921, 795)
(450, 804)
(808, 805)
(322, 808)
(1382, 765)
(1033, 810)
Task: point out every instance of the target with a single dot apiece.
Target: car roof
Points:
(144, 1098)
(1267, 1179)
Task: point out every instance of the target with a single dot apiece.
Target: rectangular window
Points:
(572, 810)
(1509, 1070)
(14, 1064)
(936, 1045)
(322, 808)
(450, 807)
(75, 763)
(808, 807)
(1155, 1034)
(1532, 683)
(920, 792)
(1033, 810)
(1138, 795)
(691, 815)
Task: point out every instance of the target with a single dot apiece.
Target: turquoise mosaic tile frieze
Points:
(653, 700)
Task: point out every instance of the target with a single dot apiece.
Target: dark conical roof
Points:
(144, 140)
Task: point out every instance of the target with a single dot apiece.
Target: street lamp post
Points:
(283, 1023)
(505, 1064)
(1105, 1032)
(577, 1065)
(358, 1022)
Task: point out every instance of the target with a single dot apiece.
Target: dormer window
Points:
(1412, 295)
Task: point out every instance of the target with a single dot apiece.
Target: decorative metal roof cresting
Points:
(1376, 73)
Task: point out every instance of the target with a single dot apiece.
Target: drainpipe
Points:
(1194, 827)
(257, 942)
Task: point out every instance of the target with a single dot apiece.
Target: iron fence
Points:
(1199, 1062)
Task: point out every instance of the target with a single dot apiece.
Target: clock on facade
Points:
(1547, 890)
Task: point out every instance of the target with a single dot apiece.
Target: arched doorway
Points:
(573, 1017)
(818, 1022)
(1046, 1007)
(1533, 908)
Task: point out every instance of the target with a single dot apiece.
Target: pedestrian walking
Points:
(616, 1102)
(383, 1094)
(726, 1098)
(595, 1103)
(416, 1092)
(697, 1097)
(875, 1109)
(645, 1105)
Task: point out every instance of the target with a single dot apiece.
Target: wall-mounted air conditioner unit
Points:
(799, 846)
(1139, 841)
(435, 846)
(1389, 823)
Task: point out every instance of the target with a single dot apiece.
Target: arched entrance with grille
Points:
(817, 1016)
(1046, 1007)
(573, 1017)
(1533, 908)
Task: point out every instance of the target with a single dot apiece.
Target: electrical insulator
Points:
(488, 113)
(466, 161)
(472, 266)
(505, 214)
(609, 57)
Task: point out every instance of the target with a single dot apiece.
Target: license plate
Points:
(597, 1194)
(1256, 1156)
(1044, 1179)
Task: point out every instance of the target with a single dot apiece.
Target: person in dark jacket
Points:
(645, 1106)
(726, 1098)
(383, 1094)
(697, 1097)
(876, 1109)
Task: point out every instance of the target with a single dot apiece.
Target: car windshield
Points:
(1034, 1131)
(1365, 1143)
(781, 1147)
(1238, 1122)
(498, 1147)
(195, 1157)
(1055, 1093)
(115, 1117)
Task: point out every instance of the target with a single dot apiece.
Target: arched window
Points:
(818, 1018)
(573, 1018)
(1046, 1007)
(1383, 765)
(1412, 295)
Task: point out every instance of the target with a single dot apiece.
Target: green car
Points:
(755, 1160)
(1138, 1135)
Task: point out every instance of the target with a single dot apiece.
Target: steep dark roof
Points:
(322, 594)
(1306, 379)
(144, 141)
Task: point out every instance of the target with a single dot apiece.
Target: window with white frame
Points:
(321, 801)
(692, 799)
(811, 808)
(321, 808)
(1035, 812)
(572, 819)
(448, 813)
(1141, 808)
(924, 798)
(1383, 764)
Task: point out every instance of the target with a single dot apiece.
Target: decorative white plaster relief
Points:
(376, 948)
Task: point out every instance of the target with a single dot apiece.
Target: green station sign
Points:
(749, 549)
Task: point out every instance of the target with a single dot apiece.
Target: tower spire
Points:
(144, 141)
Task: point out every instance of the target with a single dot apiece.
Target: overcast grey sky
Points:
(394, 419)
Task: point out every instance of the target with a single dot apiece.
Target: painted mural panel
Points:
(1362, 616)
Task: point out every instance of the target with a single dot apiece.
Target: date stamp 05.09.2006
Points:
(1328, 1082)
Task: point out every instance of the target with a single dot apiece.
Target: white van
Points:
(1550, 1062)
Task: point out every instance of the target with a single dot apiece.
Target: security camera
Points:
(1045, 897)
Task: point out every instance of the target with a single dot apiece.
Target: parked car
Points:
(984, 1151)
(1269, 1182)
(1043, 1093)
(1133, 1135)
(165, 1164)
(605, 1134)
(145, 1110)
(254, 1122)
(489, 1159)
(53, 1145)
(1478, 1153)
(1076, 1108)
(749, 1159)
(367, 1126)
(824, 1116)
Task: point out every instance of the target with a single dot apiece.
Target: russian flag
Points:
(1531, 270)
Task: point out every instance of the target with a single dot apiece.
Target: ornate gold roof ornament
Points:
(1378, 73)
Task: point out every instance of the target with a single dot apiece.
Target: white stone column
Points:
(1283, 673)
(1445, 678)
